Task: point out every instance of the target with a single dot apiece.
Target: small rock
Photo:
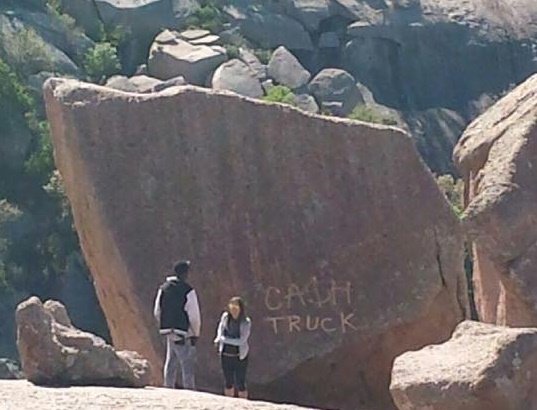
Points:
(236, 76)
(194, 34)
(253, 62)
(194, 63)
(307, 103)
(207, 40)
(10, 370)
(54, 352)
(172, 82)
(285, 69)
(333, 85)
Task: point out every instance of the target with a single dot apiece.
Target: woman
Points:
(232, 341)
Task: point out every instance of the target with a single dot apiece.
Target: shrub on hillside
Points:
(367, 114)
(453, 189)
(101, 62)
(280, 94)
(208, 17)
(27, 52)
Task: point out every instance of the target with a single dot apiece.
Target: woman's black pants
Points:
(235, 372)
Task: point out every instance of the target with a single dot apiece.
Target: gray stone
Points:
(253, 62)
(53, 352)
(236, 76)
(193, 34)
(194, 63)
(10, 370)
(270, 30)
(309, 12)
(120, 82)
(144, 83)
(329, 39)
(285, 69)
(307, 103)
(335, 85)
(267, 85)
(207, 40)
(172, 82)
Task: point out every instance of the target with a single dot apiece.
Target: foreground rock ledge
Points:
(334, 232)
(54, 353)
(497, 155)
(482, 367)
(22, 395)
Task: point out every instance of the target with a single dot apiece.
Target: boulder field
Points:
(333, 231)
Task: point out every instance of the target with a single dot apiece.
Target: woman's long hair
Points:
(237, 300)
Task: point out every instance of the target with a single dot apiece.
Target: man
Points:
(177, 310)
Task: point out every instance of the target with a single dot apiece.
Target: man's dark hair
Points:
(181, 268)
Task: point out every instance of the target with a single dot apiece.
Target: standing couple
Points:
(177, 310)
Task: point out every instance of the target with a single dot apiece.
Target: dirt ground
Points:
(22, 395)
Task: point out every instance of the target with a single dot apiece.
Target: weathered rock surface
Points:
(309, 12)
(10, 370)
(336, 85)
(54, 352)
(307, 103)
(135, 84)
(285, 68)
(300, 218)
(236, 76)
(22, 395)
(172, 57)
(253, 62)
(271, 30)
(481, 367)
(444, 44)
(497, 155)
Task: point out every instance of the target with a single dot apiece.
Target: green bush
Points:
(367, 114)
(207, 17)
(27, 52)
(453, 189)
(263, 55)
(280, 94)
(101, 62)
(232, 51)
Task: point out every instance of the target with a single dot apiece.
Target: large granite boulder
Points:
(170, 57)
(54, 352)
(336, 85)
(236, 76)
(481, 367)
(285, 69)
(497, 156)
(345, 260)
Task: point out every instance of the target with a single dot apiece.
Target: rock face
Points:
(299, 214)
(285, 68)
(444, 44)
(481, 367)
(172, 57)
(497, 155)
(9, 370)
(54, 352)
(236, 76)
(271, 30)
